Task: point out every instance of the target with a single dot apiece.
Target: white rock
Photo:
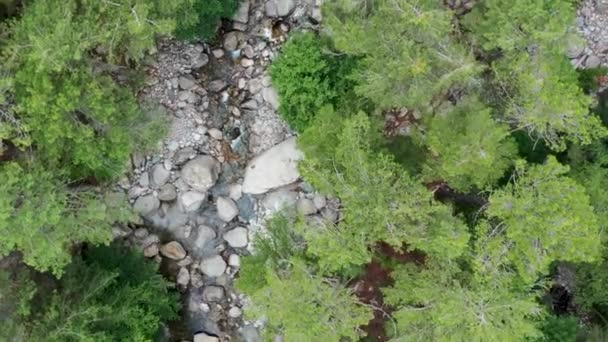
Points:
(273, 168)
(237, 237)
(151, 251)
(183, 277)
(226, 209)
(246, 62)
(234, 260)
(270, 95)
(204, 235)
(146, 205)
(160, 175)
(218, 53)
(190, 200)
(202, 337)
(173, 250)
(213, 266)
(234, 312)
(215, 133)
(235, 192)
(201, 173)
(306, 206)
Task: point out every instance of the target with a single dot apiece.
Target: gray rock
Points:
(250, 333)
(202, 337)
(232, 40)
(255, 85)
(306, 206)
(270, 95)
(226, 209)
(144, 179)
(246, 207)
(246, 62)
(273, 168)
(271, 9)
(575, 50)
(242, 15)
(234, 312)
(218, 53)
(329, 214)
(215, 133)
(173, 250)
(159, 175)
(186, 82)
(279, 199)
(235, 191)
(151, 251)
(141, 233)
(183, 277)
(213, 293)
(201, 173)
(213, 266)
(602, 7)
(237, 237)
(592, 61)
(319, 201)
(204, 235)
(234, 260)
(200, 61)
(190, 201)
(251, 104)
(146, 205)
(217, 85)
(284, 7)
(184, 155)
(167, 193)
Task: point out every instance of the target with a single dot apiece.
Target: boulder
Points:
(146, 205)
(284, 7)
(237, 237)
(201, 173)
(226, 209)
(234, 260)
(273, 168)
(213, 266)
(306, 206)
(173, 250)
(167, 193)
(204, 235)
(159, 175)
(242, 15)
(213, 293)
(190, 201)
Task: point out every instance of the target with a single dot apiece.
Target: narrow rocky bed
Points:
(227, 162)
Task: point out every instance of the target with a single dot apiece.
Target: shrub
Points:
(198, 19)
(307, 77)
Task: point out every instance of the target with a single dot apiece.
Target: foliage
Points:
(111, 294)
(467, 147)
(560, 329)
(543, 216)
(409, 58)
(544, 99)
(519, 24)
(304, 306)
(588, 78)
(42, 217)
(307, 76)
(381, 202)
(436, 303)
(199, 19)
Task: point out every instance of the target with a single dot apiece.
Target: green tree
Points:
(42, 217)
(409, 55)
(199, 19)
(437, 303)
(467, 147)
(542, 216)
(381, 202)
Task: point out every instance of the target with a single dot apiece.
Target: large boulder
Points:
(201, 173)
(274, 168)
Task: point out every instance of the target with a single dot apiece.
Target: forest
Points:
(450, 186)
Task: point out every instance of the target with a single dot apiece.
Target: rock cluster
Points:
(592, 22)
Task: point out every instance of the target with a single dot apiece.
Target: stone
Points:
(167, 192)
(329, 214)
(602, 7)
(271, 97)
(255, 85)
(234, 260)
(226, 209)
(150, 239)
(217, 85)
(173, 250)
(251, 104)
(592, 61)
(184, 155)
(237, 237)
(248, 51)
(141, 233)
(232, 40)
(144, 179)
(271, 9)
(306, 206)
(246, 62)
(213, 293)
(242, 15)
(159, 175)
(151, 251)
(202, 337)
(235, 191)
(200, 61)
(186, 82)
(185, 261)
(213, 266)
(274, 168)
(190, 200)
(215, 133)
(146, 205)
(234, 312)
(196, 280)
(575, 50)
(284, 7)
(279, 199)
(319, 201)
(183, 277)
(218, 53)
(204, 235)
(201, 173)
